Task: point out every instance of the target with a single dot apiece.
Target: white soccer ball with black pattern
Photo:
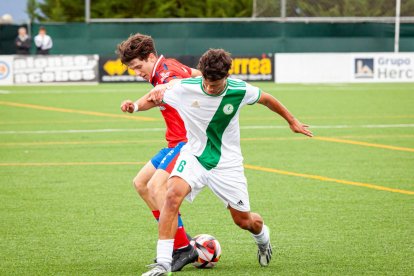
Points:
(208, 249)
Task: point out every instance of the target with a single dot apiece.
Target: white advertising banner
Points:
(311, 68)
(6, 70)
(383, 67)
(55, 69)
(344, 67)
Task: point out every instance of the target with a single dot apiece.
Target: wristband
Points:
(135, 107)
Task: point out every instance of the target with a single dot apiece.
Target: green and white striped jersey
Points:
(212, 121)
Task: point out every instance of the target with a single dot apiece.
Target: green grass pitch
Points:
(341, 203)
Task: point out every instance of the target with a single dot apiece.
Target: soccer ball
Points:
(208, 249)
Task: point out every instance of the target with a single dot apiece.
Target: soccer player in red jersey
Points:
(139, 54)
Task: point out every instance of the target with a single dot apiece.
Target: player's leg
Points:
(158, 184)
(253, 223)
(183, 251)
(231, 187)
(143, 177)
(158, 188)
(141, 184)
(178, 188)
(187, 178)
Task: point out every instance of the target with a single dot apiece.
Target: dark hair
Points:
(42, 28)
(215, 64)
(136, 46)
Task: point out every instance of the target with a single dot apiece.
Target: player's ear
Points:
(152, 57)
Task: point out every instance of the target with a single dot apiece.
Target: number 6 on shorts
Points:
(181, 166)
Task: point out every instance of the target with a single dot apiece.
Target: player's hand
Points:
(157, 93)
(298, 127)
(127, 106)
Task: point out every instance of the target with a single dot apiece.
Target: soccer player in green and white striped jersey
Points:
(210, 106)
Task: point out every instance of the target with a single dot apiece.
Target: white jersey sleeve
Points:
(252, 94)
(172, 95)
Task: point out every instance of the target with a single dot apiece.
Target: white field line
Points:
(80, 91)
(334, 126)
(81, 131)
(281, 87)
(98, 89)
(163, 129)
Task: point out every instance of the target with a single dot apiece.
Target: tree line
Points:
(74, 10)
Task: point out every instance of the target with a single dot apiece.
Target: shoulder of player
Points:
(171, 61)
(171, 72)
(236, 84)
(191, 81)
(173, 64)
(188, 84)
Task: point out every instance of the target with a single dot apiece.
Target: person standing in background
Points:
(22, 42)
(43, 42)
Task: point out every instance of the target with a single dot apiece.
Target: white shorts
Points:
(229, 185)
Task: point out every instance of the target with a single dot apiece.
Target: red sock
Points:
(156, 214)
(180, 239)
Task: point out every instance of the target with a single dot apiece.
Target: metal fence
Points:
(332, 9)
(308, 11)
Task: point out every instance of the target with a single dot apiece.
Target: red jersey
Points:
(164, 71)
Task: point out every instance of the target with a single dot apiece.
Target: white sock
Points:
(263, 237)
(164, 251)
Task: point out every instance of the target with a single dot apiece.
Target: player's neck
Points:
(216, 90)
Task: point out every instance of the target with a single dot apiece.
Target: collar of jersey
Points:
(212, 95)
(156, 66)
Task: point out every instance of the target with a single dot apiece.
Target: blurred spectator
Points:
(22, 42)
(43, 42)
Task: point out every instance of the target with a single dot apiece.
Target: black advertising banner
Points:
(253, 68)
(55, 69)
(248, 68)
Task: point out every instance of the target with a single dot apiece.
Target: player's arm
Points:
(170, 96)
(157, 93)
(273, 104)
(141, 104)
(150, 100)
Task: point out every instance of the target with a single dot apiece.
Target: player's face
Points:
(143, 68)
(214, 87)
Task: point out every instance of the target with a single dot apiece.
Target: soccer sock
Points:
(164, 252)
(180, 239)
(156, 214)
(263, 237)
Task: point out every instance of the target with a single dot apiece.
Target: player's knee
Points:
(172, 200)
(257, 221)
(243, 223)
(140, 186)
(152, 188)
